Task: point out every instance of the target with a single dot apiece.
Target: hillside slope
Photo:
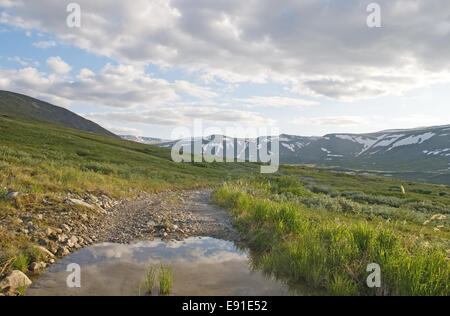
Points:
(21, 106)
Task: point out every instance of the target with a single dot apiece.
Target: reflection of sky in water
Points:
(190, 250)
(203, 266)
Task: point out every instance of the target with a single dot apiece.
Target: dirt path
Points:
(169, 215)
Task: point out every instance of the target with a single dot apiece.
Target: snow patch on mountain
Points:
(436, 152)
(413, 140)
(365, 141)
(291, 147)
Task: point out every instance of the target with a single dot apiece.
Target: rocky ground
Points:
(167, 216)
(94, 218)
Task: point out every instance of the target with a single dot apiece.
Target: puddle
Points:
(201, 267)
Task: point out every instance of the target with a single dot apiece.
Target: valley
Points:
(65, 193)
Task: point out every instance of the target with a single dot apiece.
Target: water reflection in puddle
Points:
(204, 266)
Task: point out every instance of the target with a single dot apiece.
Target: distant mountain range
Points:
(143, 140)
(421, 150)
(24, 107)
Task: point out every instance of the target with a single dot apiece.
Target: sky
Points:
(310, 67)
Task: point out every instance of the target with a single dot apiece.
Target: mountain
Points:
(24, 107)
(143, 140)
(418, 150)
(424, 149)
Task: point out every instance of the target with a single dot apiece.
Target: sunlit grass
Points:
(331, 250)
(149, 281)
(165, 278)
(161, 276)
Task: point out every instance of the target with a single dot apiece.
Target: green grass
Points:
(330, 247)
(165, 278)
(370, 187)
(149, 281)
(162, 275)
(21, 262)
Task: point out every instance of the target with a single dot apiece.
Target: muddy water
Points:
(201, 266)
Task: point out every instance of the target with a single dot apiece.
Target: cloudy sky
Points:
(307, 67)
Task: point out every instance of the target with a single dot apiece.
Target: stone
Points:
(39, 217)
(12, 195)
(37, 266)
(49, 232)
(17, 221)
(63, 252)
(72, 241)
(78, 203)
(53, 247)
(62, 238)
(45, 252)
(44, 242)
(14, 281)
(66, 228)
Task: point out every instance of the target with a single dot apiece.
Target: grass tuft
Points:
(165, 279)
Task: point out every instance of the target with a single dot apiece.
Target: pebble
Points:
(63, 252)
(12, 195)
(37, 266)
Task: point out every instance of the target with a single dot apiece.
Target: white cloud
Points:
(184, 116)
(8, 3)
(122, 130)
(315, 47)
(18, 60)
(45, 44)
(339, 121)
(194, 90)
(58, 65)
(364, 124)
(276, 102)
(117, 86)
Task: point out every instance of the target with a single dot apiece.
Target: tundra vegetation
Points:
(306, 233)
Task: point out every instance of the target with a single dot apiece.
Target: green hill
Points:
(21, 106)
(58, 159)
